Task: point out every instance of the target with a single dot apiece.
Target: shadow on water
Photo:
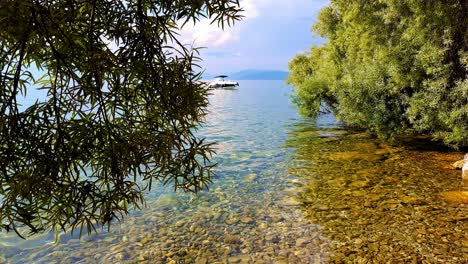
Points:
(381, 203)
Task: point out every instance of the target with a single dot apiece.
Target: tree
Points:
(391, 67)
(123, 104)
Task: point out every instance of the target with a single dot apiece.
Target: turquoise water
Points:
(287, 190)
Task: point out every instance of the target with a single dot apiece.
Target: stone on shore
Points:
(465, 168)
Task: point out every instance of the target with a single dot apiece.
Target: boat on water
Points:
(220, 82)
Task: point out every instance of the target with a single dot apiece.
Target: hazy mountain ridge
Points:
(254, 75)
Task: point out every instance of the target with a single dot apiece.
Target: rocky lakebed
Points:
(338, 197)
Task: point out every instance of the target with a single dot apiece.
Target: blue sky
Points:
(270, 35)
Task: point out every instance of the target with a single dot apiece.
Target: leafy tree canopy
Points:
(390, 67)
(123, 103)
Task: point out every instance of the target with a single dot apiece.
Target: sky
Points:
(271, 33)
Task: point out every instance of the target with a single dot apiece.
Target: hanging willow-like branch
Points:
(122, 105)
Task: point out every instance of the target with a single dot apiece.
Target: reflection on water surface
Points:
(287, 190)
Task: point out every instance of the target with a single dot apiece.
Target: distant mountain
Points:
(252, 75)
(259, 75)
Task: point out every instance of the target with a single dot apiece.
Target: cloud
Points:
(206, 34)
(222, 54)
(268, 36)
(251, 7)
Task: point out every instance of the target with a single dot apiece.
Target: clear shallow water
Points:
(251, 126)
(286, 189)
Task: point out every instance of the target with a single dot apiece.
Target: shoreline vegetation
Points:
(390, 68)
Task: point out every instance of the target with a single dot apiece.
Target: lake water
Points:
(287, 190)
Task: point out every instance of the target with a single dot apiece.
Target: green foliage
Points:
(312, 81)
(390, 67)
(123, 104)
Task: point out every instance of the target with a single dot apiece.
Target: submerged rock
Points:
(456, 196)
(365, 147)
(354, 155)
(250, 177)
(231, 221)
(410, 200)
(246, 220)
(290, 201)
(458, 165)
(359, 184)
(385, 149)
(201, 260)
(179, 223)
(238, 259)
(300, 242)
